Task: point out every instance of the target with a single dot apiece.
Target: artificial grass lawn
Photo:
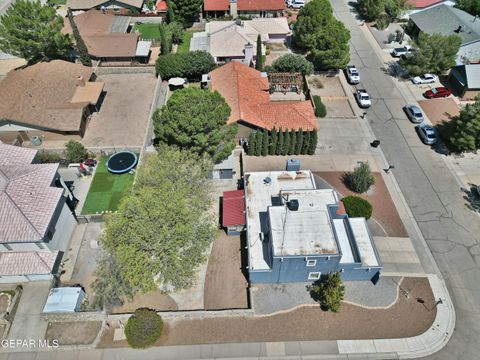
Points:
(106, 190)
(184, 47)
(148, 31)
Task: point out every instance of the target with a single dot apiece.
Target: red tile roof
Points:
(244, 5)
(246, 92)
(233, 208)
(161, 5)
(421, 4)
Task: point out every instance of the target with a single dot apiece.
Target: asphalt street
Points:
(451, 230)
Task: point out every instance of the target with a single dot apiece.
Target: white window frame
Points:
(311, 262)
(314, 275)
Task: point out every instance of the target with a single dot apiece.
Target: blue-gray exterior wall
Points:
(295, 269)
(356, 272)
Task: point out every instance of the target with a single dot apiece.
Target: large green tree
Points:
(435, 53)
(293, 63)
(31, 31)
(196, 119)
(370, 10)
(324, 38)
(162, 230)
(464, 134)
(470, 6)
(187, 10)
(190, 65)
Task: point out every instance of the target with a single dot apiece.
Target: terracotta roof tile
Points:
(27, 263)
(246, 92)
(233, 211)
(244, 5)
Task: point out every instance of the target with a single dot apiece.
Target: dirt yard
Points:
(225, 284)
(153, 300)
(73, 333)
(407, 317)
(384, 210)
(439, 110)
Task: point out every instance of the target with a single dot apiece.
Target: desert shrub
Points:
(357, 207)
(143, 328)
(320, 109)
(360, 179)
(75, 152)
(382, 22)
(45, 157)
(329, 293)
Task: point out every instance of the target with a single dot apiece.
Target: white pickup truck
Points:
(362, 98)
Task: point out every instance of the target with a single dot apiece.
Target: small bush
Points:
(360, 179)
(382, 22)
(143, 328)
(75, 152)
(357, 207)
(320, 109)
(329, 293)
(46, 157)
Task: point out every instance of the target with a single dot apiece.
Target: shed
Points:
(64, 299)
(233, 211)
(465, 79)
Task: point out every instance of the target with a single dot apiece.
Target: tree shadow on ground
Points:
(315, 295)
(472, 196)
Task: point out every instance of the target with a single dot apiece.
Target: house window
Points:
(311, 263)
(314, 275)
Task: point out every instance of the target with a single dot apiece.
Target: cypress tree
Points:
(265, 143)
(293, 143)
(299, 145)
(280, 142)
(251, 144)
(286, 145)
(313, 142)
(273, 142)
(258, 143)
(170, 15)
(259, 58)
(81, 47)
(164, 44)
(306, 143)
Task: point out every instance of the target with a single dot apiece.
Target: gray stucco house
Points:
(448, 20)
(298, 233)
(465, 80)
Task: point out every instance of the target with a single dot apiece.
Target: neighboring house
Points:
(246, 91)
(448, 20)
(465, 81)
(106, 38)
(51, 100)
(120, 6)
(252, 8)
(237, 40)
(297, 233)
(419, 5)
(35, 220)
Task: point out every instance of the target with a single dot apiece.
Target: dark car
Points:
(437, 92)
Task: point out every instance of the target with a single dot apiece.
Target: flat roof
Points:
(364, 242)
(343, 241)
(260, 188)
(64, 299)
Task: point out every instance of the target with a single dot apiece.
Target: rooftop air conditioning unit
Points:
(293, 205)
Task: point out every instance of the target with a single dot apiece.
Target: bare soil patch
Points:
(73, 332)
(225, 284)
(406, 318)
(153, 300)
(439, 110)
(384, 210)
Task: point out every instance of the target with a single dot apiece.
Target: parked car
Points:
(425, 79)
(353, 76)
(414, 113)
(296, 4)
(362, 98)
(427, 133)
(437, 92)
(397, 52)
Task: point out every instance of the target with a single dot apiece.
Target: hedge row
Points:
(263, 143)
(190, 65)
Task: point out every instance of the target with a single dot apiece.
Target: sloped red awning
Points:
(233, 213)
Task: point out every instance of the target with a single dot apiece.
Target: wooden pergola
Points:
(285, 82)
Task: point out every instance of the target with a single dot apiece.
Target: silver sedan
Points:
(427, 133)
(414, 113)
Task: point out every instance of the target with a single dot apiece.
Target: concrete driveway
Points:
(122, 119)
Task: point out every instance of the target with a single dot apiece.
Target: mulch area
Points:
(384, 210)
(225, 284)
(73, 332)
(406, 318)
